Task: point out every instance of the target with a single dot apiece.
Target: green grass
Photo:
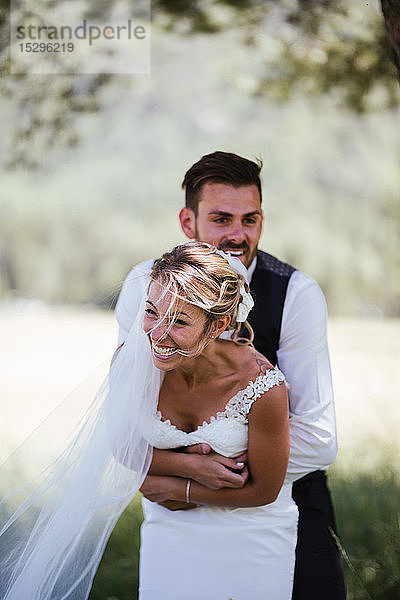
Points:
(117, 576)
(367, 509)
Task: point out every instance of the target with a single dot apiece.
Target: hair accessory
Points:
(188, 491)
(235, 263)
(245, 306)
(247, 302)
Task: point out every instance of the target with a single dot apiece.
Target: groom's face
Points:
(228, 217)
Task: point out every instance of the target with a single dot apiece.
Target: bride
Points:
(227, 395)
(174, 383)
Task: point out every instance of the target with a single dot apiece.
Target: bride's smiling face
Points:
(168, 340)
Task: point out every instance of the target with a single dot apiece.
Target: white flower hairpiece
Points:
(245, 305)
(234, 262)
(247, 302)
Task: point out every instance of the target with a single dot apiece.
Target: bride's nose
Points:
(159, 332)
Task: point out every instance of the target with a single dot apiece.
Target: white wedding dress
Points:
(213, 553)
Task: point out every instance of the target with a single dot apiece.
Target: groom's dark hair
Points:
(220, 167)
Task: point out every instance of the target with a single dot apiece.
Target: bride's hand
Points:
(215, 471)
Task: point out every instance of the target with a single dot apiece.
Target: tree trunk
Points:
(391, 13)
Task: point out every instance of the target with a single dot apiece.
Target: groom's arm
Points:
(304, 359)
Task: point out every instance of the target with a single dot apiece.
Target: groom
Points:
(223, 207)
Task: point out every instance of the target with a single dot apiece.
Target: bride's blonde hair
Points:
(194, 272)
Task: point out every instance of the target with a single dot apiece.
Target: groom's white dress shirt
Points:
(302, 356)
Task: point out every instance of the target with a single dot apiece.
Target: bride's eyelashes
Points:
(152, 313)
(180, 322)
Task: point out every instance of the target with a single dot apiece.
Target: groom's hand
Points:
(196, 449)
(215, 471)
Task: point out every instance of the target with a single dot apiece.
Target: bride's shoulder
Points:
(251, 363)
(257, 363)
(260, 379)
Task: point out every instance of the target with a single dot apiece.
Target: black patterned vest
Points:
(268, 287)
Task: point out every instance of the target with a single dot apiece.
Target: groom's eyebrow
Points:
(222, 213)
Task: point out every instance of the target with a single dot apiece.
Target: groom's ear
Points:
(187, 219)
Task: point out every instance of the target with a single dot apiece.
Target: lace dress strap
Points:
(239, 406)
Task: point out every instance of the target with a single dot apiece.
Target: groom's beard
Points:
(224, 245)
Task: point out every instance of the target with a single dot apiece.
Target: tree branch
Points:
(391, 13)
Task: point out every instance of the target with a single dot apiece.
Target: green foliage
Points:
(117, 576)
(320, 47)
(368, 517)
(357, 72)
(327, 47)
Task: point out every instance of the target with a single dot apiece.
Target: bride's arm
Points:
(268, 454)
(200, 464)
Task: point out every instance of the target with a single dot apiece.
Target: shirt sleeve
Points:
(131, 295)
(304, 359)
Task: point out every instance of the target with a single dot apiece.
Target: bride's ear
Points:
(220, 325)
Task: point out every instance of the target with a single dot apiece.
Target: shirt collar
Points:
(252, 268)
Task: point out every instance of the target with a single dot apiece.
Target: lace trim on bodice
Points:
(238, 407)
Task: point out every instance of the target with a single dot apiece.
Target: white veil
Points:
(53, 531)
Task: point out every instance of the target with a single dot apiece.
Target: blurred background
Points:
(91, 167)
